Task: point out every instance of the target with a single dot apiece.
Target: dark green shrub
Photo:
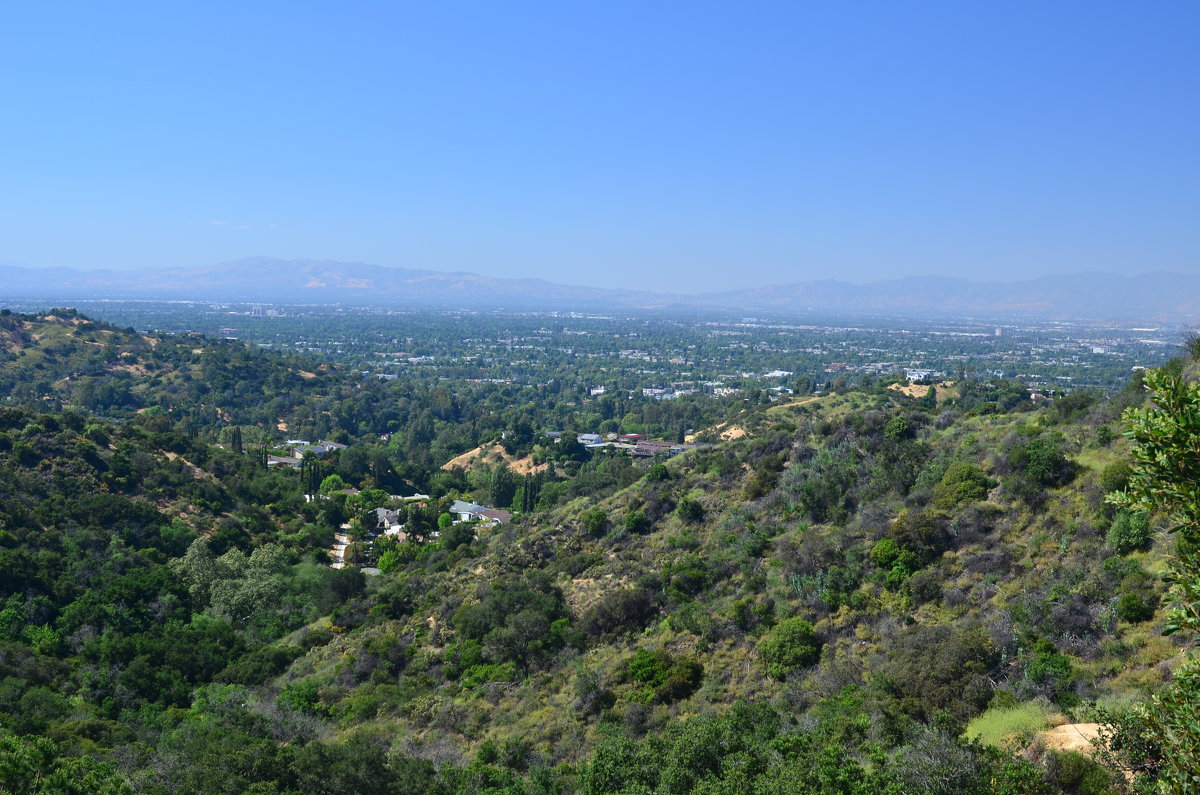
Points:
(1138, 601)
(260, 665)
(1072, 771)
(1042, 463)
(749, 613)
(648, 667)
(457, 535)
(690, 510)
(1118, 568)
(686, 578)
(302, 696)
(627, 608)
(636, 523)
(961, 483)
(1051, 671)
(594, 521)
(1129, 532)
(666, 678)
(936, 667)
(1115, 476)
(791, 644)
(1136, 607)
(897, 428)
(925, 586)
(885, 553)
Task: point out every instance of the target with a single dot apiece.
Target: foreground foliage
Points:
(1166, 477)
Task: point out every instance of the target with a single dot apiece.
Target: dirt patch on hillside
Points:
(525, 466)
(132, 369)
(945, 390)
(306, 374)
(912, 390)
(519, 466)
(727, 433)
(465, 460)
(1079, 737)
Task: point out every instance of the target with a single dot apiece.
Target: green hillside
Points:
(868, 592)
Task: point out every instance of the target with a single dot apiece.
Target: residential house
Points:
(386, 517)
(474, 512)
(495, 516)
(466, 511)
(649, 449)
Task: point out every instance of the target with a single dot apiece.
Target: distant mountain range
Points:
(1162, 296)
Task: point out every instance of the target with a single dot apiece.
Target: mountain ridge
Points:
(1089, 294)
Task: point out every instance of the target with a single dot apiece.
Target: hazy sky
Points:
(666, 145)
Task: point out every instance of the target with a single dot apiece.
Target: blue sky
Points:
(667, 145)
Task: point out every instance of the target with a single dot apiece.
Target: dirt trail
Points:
(341, 541)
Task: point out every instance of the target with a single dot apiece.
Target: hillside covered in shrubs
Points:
(867, 592)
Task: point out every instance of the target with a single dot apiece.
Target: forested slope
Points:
(837, 602)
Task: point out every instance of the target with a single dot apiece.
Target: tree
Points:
(37, 765)
(457, 535)
(333, 483)
(1166, 477)
(502, 487)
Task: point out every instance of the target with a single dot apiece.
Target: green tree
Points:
(36, 765)
(1166, 477)
(333, 483)
(502, 487)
